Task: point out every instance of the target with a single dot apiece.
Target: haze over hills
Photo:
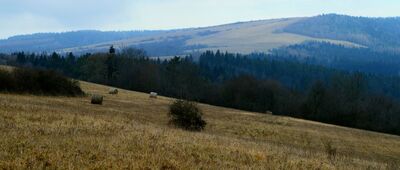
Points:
(333, 69)
(48, 42)
(190, 84)
(242, 37)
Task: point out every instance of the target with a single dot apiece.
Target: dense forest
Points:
(256, 82)
(370, 32)
(344, 58)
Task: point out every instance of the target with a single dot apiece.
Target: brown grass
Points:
(131, 131)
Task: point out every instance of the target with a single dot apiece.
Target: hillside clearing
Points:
(244, 37)
(130, 130)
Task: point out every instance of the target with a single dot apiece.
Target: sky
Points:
(32, 16)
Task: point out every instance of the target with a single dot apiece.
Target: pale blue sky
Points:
(30, 16)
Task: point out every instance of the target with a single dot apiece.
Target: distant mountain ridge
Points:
(241, 37)
(42, 42)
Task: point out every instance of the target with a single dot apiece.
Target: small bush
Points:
(38, 82)
(186, 115)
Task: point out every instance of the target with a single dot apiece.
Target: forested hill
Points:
(339, 57)
(371, 32)
(241, 37)
(46, 42)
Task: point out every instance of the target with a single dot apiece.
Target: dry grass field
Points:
(131, 131)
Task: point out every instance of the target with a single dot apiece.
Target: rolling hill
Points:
(49, 42)
(131, 131)
(370, 32)
(241, 37)
(244, 37)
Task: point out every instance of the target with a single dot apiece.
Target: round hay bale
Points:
(153, 95)
(269, 112)
(113, 91)
(97, 99)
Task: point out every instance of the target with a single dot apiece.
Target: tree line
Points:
(256, 82)
(37, 82)
(345, 58)
(377, 33)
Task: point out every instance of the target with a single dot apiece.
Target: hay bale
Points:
(113, 91)
(97, 99)
(153, 95)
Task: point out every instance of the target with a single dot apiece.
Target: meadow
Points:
(131, 131)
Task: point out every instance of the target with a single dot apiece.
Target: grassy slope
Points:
(245, 37)
(131, 131)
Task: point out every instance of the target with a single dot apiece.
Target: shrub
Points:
(39, 82)
(186, 115)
